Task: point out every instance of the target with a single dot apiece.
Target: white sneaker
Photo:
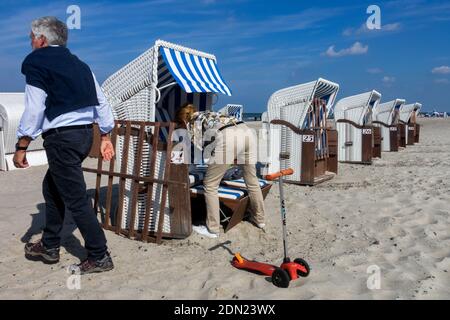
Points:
(259, 225)
(203, 230)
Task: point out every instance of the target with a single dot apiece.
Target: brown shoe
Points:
(93, 266)
(37, 251)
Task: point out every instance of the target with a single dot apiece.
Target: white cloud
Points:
(391, 27)
(388, 80)
(362, 30)
(441, 70)
(356, 49)
(374, 70)
(442, 81)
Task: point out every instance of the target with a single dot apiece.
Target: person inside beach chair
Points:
(230, 142)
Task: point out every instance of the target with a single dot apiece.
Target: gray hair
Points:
(54, 30)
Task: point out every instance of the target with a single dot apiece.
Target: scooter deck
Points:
(260, 267)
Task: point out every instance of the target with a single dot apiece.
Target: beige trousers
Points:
(233, 144)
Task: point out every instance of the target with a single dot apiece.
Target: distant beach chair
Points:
(12, 106)
(303, 141)
(409, 120)
(233, 110)
(385, 116)
(353, 116)
(150, 88)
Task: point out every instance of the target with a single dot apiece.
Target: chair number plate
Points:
(393, 129)
(367, 131)
(308, 138)
(177, 157)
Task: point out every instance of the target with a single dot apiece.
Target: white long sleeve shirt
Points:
(34, 122)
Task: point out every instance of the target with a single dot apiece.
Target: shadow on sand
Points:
(68, 240)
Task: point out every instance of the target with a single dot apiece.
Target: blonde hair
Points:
(184, 114)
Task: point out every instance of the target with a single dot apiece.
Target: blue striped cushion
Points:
(161, 115)
(240, 183)
(224, 192)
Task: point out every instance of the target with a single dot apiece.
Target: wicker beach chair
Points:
(12, 106)
(150, 88)
(385, 116)
(353, 116)
(304, 107)
(408, 118)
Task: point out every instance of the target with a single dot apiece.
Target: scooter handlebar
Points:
(273, 176)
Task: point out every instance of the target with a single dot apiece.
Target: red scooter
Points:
(281, 276)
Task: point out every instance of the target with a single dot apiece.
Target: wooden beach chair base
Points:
(417, 133)
(316, 166)
(402, 135)
(393, 135)
(364, 150)
(233, 211)
(411, 134)
(332, 162)
(394, 139)
(145, 212)
(377, 139)
(320, 179)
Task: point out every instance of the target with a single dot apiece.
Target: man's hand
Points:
(20, 159)
(106, 148)
(20, 156)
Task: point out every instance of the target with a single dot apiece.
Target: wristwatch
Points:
(18, 147)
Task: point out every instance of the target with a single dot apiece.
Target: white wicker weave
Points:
(12, 106)
(134, 92)
(419, 107)
(357, 108)
(293, 104)
(407, 110)
(387, 113)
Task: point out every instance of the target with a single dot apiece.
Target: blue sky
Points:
(261, 46)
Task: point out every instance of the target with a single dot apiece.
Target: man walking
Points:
(62, 100)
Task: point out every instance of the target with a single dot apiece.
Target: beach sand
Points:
(394, 215)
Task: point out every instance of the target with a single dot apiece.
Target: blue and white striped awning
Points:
(194, 73)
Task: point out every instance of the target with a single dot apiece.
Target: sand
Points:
(394, 215)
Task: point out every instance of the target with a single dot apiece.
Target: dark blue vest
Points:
(67, 80)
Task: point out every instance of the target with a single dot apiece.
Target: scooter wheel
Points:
(280, 278)
(304, 264)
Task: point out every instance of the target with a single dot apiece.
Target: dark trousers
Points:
(64, 188)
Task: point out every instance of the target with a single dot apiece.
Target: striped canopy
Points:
(194, 73)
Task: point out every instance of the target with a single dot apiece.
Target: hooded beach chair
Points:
(303, 108)
(12, 106)
(151, 88)
(233, 110)
(407, 118)
(353, 116)
(385, 116)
